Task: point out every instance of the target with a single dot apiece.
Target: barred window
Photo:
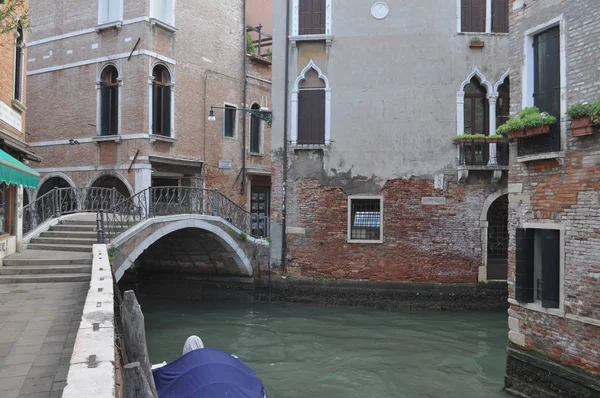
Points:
(366, 219)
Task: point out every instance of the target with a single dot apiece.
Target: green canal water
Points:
(313, 351)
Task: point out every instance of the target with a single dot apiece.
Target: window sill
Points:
(163, 25)
(109, 25)
(310, 147)
(18, 105)
(257, 154)
(537, 307)
(482, 34)
(490, 167)
(234, 138)
(155, 137)
(361, 241)
(326, 38)
(107, 138)
(558, 156)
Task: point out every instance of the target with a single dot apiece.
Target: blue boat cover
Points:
(207, 373)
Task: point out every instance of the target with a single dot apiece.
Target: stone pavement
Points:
(38, 327)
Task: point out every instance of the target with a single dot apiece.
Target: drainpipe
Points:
(244, 90)
(285, 140)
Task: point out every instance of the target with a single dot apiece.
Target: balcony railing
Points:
(475, 153)
(538, 144)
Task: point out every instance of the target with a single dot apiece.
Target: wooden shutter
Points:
(229, 122)
(465, 16)
(254, 134)
(500, 16)
(114, 110)
(105, 109)
(166, 111)
(472, 15)
(550, 268)
(311, 117)
(546, 93)
(524, 268)
(311, 17)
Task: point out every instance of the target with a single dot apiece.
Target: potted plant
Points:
(476, 42)
(529, 122)
(476, 138)
(585, 118)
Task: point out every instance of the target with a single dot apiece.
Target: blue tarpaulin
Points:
(207, 373)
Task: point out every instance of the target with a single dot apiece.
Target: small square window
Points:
(229, 121)
(365, 219)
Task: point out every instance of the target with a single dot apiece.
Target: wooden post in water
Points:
(135, 382)
(134, 335)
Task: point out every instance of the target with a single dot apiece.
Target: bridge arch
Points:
(132, 250)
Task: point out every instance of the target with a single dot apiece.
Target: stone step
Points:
(47, 278)
(77, 222)
(73, 227)
(60, 248)
(65, 241)
(42, 270)
(69, 234)
(40, 257)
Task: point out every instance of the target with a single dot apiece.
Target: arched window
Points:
(20, 44)
(161, 101)
(311, 109)
(255, 131)
(109, 98)
(476, 109)
(503, 103)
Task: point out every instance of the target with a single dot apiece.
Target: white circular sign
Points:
(380, 10)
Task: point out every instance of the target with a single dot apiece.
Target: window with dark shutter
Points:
(472, 15)
(255, 131)
(229, 121)
(550, 242)
(311, 117)
(161, 101)
(18, 94)
(500, 16)
(524, 265)
(546, 93)
(312, 17)
(109, 98)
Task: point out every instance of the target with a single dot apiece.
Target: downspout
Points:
(245, 92)
(285, 139)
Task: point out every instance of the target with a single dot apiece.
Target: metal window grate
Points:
(366, 219)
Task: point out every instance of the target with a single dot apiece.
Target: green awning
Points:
(14, 172)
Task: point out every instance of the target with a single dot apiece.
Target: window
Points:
(163, 10)
(20, 45)
(500, 16)
(537, 266)
(476, 108)
(161, 101)
(365, 219)
(229, 121)
(7, 194)
(255, 131)
(109, 98)
(110, 11)
(311, 110)
(311, 17)
(474, 16)
(503, 103)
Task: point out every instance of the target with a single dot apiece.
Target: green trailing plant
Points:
(475, 39)
(270, 54)
(528, 118)
(578, 111)
(243, 236)
(594, 112)
(112, 251)
(250, 45)
(13, 14)
(477, 136)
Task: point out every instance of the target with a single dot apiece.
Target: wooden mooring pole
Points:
(135, 383)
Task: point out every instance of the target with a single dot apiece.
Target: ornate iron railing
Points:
(61, 201)
(164, 201)
(472, 153)
(537, 144)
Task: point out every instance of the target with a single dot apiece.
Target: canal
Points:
(311, 351)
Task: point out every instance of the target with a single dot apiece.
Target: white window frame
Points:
(155, 17)
(102, 8)
(171, 71)
(19, 101)
(296, 21)
(492, 96)
(236, 118)
(349, 232)
(296, 89)
(537, 305)
(528, 70)
(488, 19)
(99, 98)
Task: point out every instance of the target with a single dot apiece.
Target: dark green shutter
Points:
(524, 266)
(105, 111)
(114, 110)
(167, 111)
(550, 268)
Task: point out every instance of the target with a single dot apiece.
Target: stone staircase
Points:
(61, 254)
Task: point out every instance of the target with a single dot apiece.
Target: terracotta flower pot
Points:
(476, 44)
(537, 130)
(516, 134)
(583, 126)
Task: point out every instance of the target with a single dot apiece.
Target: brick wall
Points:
(564, 191)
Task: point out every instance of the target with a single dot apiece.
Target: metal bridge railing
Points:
(165, 201)
(61, 201)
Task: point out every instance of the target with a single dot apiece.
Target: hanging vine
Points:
(13, 13)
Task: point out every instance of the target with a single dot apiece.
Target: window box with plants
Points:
(585, 118)
(476, 42)
(477, 138)
(530, 122)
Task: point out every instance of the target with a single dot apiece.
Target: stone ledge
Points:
(558, 156)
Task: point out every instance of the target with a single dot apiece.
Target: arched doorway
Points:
(51, 183)
(110, 181)
(497, 239)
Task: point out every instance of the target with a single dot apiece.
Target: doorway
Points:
(497, 239)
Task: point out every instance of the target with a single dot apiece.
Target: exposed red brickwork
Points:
(421, 243)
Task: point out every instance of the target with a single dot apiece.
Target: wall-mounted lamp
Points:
(263, 113)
